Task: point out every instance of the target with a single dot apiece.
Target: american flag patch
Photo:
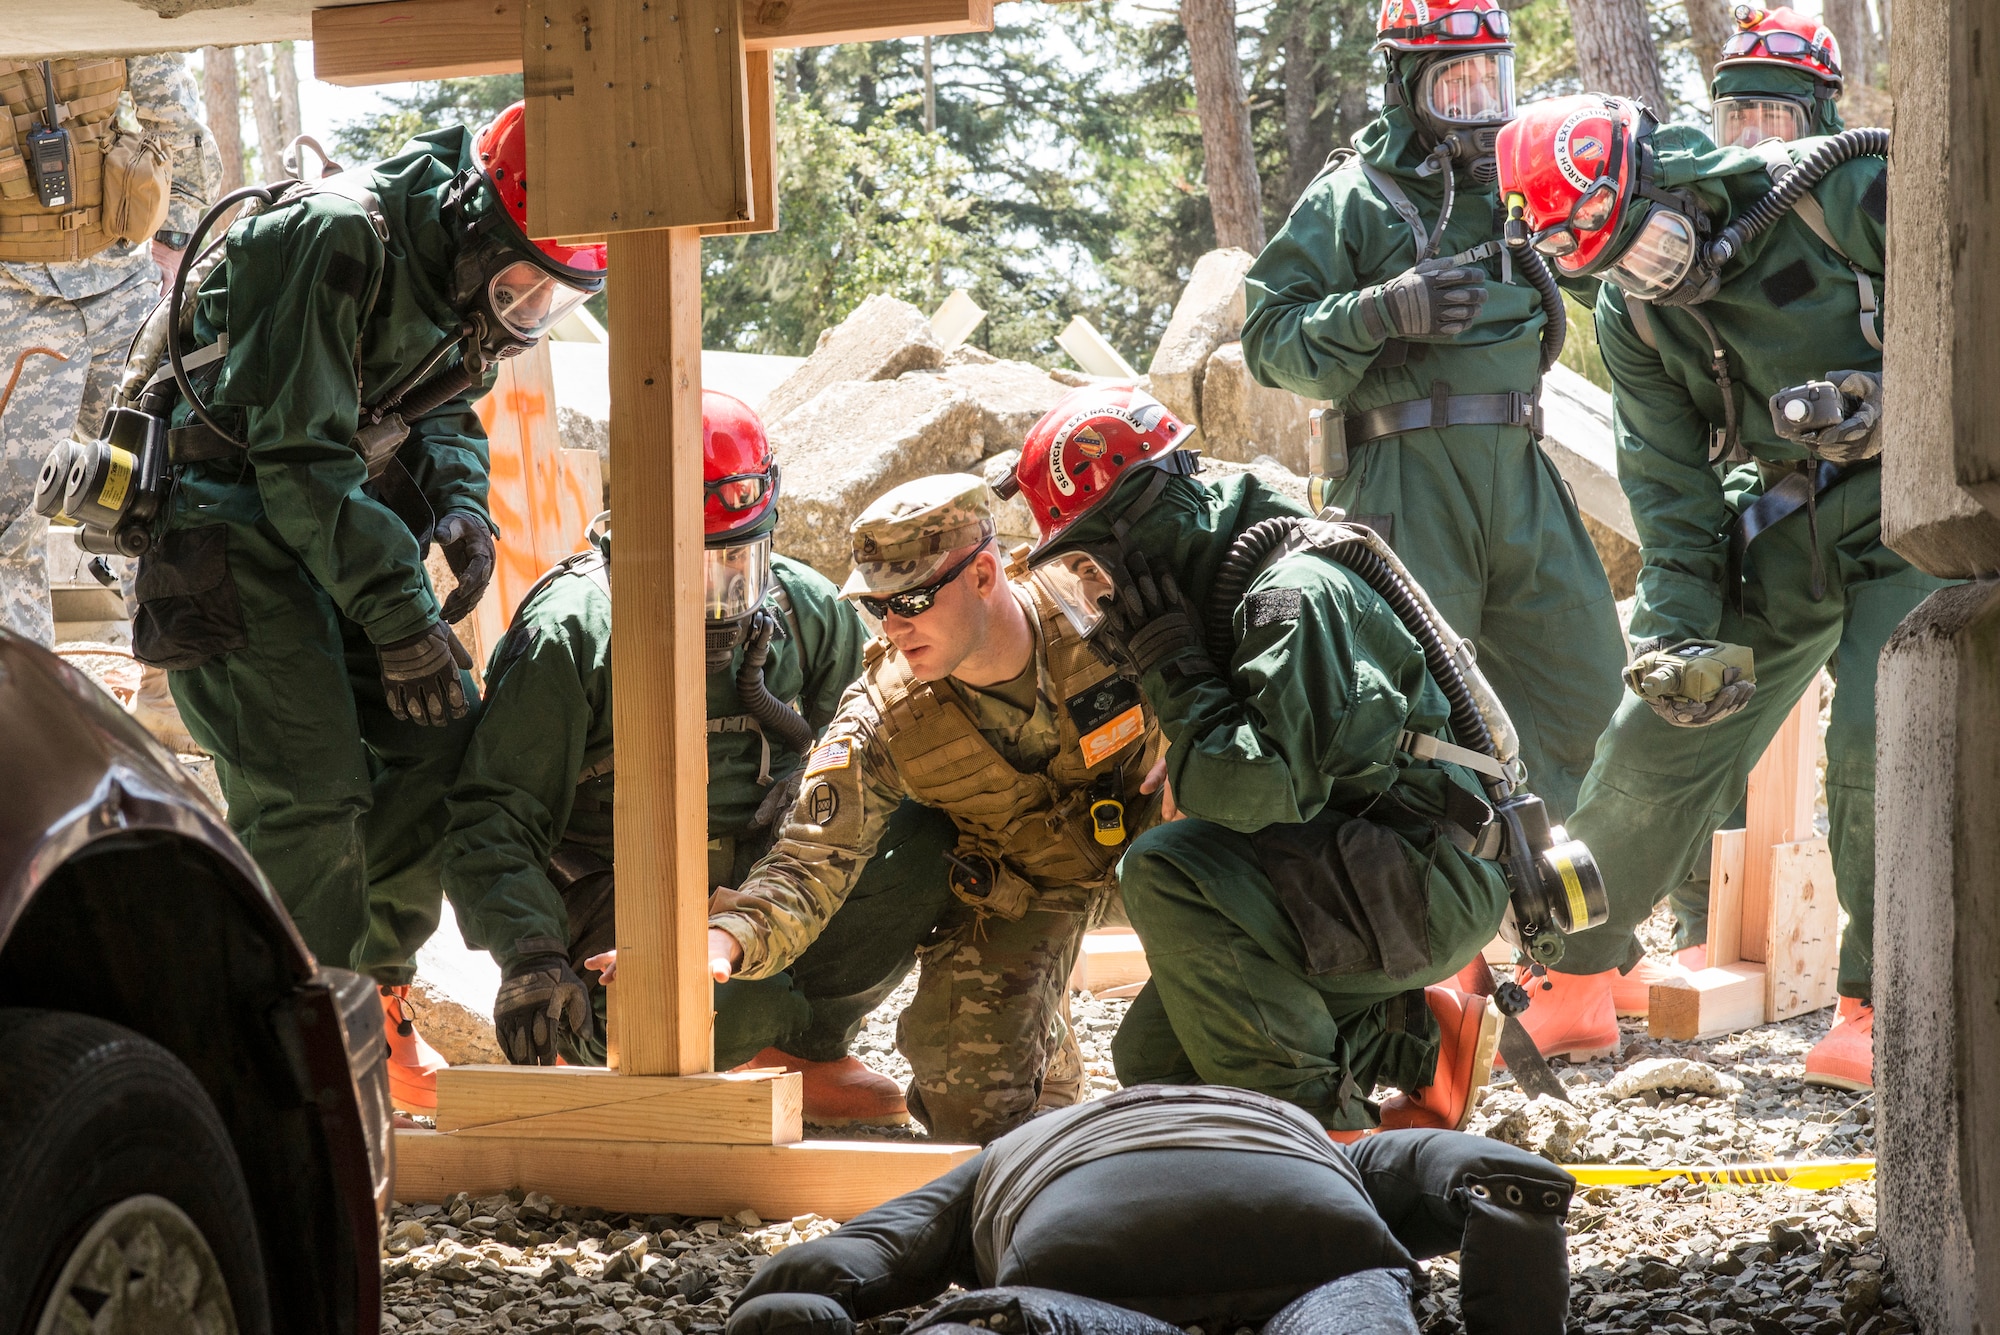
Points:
(833, 755)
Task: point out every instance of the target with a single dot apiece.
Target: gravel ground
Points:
(1677, 1257)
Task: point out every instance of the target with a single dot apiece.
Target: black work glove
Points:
(420, 676)
(1434, 300)
(1147, 621)
(1857, 436)
(778, 801)
(468, 549)
(541, 1000)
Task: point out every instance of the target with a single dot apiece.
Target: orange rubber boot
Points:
(1845, 1058)
(1692, 958)
(413, 1063)
(1631, 993)
(1575, 1018)
(842, 1093)
(1471, 1026)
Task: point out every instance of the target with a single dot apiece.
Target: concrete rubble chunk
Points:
(879, 340)
(853, 442)
(1576, 426)
(1241, 419)
(451, 998)
(1209, 314)
(1678, 1074)
(1012, 397)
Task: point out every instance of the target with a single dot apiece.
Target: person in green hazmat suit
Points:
(1779, 78)
(1758, 508)
(528, 860)
(337, 348)
(1320, 879)
(1386, 292)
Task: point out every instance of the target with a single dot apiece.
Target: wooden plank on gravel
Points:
(591, 1103)
(1802, 972)
(1725, 897)
(835, 1178)
(1707, 1003)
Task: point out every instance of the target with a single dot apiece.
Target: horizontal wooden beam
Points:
(447, 39)
(1108, 959)
(1707, 1003)
(588, 1103)
(835, 1178)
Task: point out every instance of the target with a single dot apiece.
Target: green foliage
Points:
(1580, 352)
(434, 104)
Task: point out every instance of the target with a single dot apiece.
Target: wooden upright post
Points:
(661, 1016)
(1779, 810)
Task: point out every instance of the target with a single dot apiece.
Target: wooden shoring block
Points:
(1725, 897)
(636, 115)
(762, 89)
(662, 1015)
(590, 1103)
(1707, 1003)
(448, 39)
(835, 1178)
(1108, 959)
(1802, 971)
(1779, 810)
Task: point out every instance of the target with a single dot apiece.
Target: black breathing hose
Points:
(266, 194)
(1232, 577)
(1529, 261)
(433, 393)
(1843, 147)
(775, 716)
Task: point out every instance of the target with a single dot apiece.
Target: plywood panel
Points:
(585, 1103)
(839, 1179)
(661, 1006)
(1780, 810)
(1706, 1003)
(763, 94)
(636, 115)
(1802, 972)
(1725, 897)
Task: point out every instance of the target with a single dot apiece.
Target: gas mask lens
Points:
(1079, 586)
(1745, 122)
(1658, 258)
(530, 300)
(735, 579)
(1474, 89)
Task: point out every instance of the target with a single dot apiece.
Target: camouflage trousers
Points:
(53, 399)
(987, 1037)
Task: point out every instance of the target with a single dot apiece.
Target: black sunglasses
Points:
(917, 601)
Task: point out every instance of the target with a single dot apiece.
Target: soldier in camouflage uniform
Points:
(88, 309)
(978, 699)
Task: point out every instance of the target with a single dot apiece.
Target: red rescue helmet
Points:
(501, 150)
(1428, 25)
(1785, 38)
(1569, 164)
(1073, 458)
(739, 476)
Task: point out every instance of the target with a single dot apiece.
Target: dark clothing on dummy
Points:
(1141, 1230)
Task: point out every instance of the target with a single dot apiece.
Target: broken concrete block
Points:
(854, 441)
(1269, 470)
(1209, 314)
(879, 340)
(451, 999)
(1013, 522)
(1012, 397)
(1576, 426)
(1241, 419)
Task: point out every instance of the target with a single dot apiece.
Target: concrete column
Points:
(1937, 922)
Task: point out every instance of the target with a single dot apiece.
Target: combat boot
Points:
(1631, 993)
(1845, 1058)
(841, 1093)
(1062, 1083)
(1573, 1018)
(413, 1063)
(1471, 1026)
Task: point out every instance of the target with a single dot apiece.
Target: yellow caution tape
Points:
(1805, 1175)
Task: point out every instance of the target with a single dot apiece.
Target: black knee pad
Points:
(789, 1314)
(1026, 1311)
(1513, 1269)
(1368, 1302)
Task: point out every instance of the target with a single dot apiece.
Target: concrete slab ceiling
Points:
(36, 31)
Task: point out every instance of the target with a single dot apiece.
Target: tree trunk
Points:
(1302, 68)
(270, 137)
(1615, 53)
(285, 63)
(1709, 24)
(1229, 157)
(221, 101)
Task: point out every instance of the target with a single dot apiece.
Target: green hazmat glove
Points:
(1695, 682)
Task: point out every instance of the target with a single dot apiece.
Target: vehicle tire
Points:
(122, 1205)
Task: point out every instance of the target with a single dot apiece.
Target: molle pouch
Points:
(988, 884)
(1351, 893)
(188, 609)
(138, 176)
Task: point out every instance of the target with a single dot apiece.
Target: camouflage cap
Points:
(904, 537)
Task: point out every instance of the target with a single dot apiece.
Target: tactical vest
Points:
(1034, 828)
(87, 93)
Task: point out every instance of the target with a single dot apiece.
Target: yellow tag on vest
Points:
(834, 755)
(1107, 741)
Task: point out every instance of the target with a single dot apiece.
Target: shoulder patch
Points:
(1788, 284)
(347, 275)
(832, 755)
(1875, 199)
(822, 803)
(1270, 605)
